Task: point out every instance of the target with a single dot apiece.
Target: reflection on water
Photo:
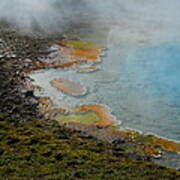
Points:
(140, 84)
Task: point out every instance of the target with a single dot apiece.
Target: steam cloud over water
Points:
(53, 15)
(48, 15)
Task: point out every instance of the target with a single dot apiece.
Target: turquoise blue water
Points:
(140, 84)
(146, 95)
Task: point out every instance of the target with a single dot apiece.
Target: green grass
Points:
(40, 150)
(87, 118)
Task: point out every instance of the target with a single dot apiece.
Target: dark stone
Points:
(73, 163)
(33, 150)
(88, 137)
(118, 141)
(33, 141)
(28, 158)
(138, 157)
(47, 154)
(29, 94)
(157, 147)
(118, 154)
(63, 136)
(1, 152)
(118, 149)
(59, 157)
(77, 174)
(100, 127)
(13, 141)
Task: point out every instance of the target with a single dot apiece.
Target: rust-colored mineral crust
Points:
(167, 144)
(70, 87)
(106, 119)
(87, 69)
(88, 54)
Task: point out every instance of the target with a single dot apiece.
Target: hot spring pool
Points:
(141, 84)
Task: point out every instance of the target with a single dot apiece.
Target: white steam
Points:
(133, 16)
(48, 15)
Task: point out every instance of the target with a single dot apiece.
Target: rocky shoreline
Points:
(33, 146)
(94, 114)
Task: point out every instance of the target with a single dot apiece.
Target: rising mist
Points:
(45, 15)
(55, 15)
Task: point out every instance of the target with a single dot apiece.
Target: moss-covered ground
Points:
(86, 118)
(41, 150)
